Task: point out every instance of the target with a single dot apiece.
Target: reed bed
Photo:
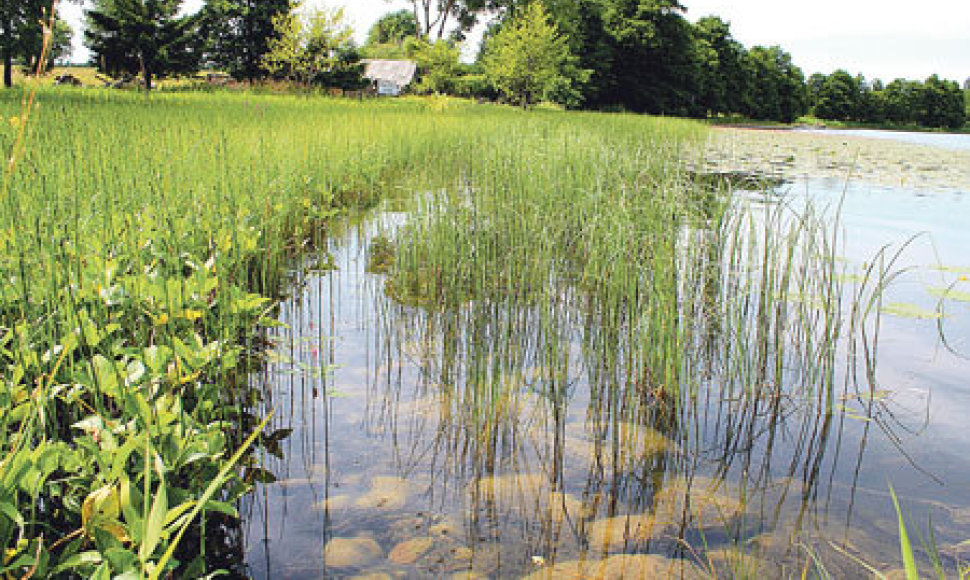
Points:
(716, 318)
(143, 242)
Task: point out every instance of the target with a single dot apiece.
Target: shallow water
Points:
(394, 449)
(955, 141)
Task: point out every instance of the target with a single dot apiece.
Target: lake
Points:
(954, 141)
(401, 464)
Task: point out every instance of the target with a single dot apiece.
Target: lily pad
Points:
(951, 269)
(906, 310)
(951, 294)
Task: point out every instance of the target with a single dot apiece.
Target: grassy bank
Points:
(144, 240)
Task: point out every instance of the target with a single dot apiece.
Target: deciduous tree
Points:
(433, 17)
(307, 45)
(393, 28)
(527, 59)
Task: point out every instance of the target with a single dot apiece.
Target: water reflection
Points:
(491, 442)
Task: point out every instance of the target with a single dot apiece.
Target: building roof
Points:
(399, 72)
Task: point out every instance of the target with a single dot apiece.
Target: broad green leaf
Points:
(155, 524)
(90, 558)
(213, 487)
(106, 374)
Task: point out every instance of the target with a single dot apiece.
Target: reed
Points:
(142, 243)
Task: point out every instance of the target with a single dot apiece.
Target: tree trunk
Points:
(444, 18)
(148, 81)
(7, 67)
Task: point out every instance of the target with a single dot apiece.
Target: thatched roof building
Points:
(390, 76)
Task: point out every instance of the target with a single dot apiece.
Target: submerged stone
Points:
(351, 552)
(737, 563)
(467, 575)
(386, 493)
(532, 492)
(372, 576)
(622, 532)
(621, 567)
(700, 502)
(337, 502)
(628, 442)
(409, 551)
(509, 486)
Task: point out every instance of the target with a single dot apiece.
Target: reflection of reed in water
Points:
(710, 404)
(547, 423)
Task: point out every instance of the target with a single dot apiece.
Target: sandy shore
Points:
(794, 155)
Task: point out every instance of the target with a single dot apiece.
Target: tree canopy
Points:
(528, 59)
(146, 37)
(238, 33)
(310, 46)
(932, 103)
(22, 35)
(393, 28)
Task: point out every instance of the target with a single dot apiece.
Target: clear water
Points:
(388, 449)
(955, 141)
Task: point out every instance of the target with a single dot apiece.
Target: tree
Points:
(839, 98)
(30, 44)
(437, 64)
(22, 25)
(393, 28)
(527, 59)
(433, 16)
(307, 46)
(238, 33)
(146, 37)
(778, 86)
(722, 82)
(653, 65)
(940, 103)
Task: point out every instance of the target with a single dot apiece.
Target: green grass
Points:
(143, 241)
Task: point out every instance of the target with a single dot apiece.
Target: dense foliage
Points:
(642, 56)
(21, 35)
(933, 103)
(143, 37)
(314, 47)
(238, 33)
(529, 60)
(635, 55)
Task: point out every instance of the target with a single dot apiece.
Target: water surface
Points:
(432, 462)
(954, 141)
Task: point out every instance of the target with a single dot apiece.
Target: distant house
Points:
(390, 77)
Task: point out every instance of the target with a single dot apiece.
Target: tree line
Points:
(933, 103)
(635, 55)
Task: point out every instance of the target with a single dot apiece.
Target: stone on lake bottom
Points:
(386, 493)
(622, 532)
(372, 576)
(351, 552)
(409, 551)
(621, 567)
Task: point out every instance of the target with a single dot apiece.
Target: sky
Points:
(883, 39)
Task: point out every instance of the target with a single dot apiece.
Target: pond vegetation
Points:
(601, 359)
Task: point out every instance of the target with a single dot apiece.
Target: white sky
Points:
(879, 38)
